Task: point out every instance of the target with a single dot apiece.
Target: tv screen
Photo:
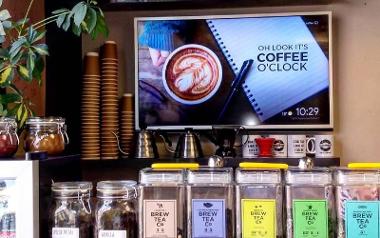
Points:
(268, 71)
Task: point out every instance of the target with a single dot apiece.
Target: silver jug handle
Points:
(166, 143)
(241, 128)
(118, 144)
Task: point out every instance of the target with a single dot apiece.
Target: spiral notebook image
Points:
(289, 65)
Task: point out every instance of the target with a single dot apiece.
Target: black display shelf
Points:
(197, 4)
(98, 170)
(232, 162)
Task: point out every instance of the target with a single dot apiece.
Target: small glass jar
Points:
(259, 202)
(8, 137)
(116, 214)
(46, 134)
(210, 203)
(357, 193)
(310, 203)
(71, 211)
(162, 203)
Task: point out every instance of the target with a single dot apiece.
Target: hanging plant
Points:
(22, 56)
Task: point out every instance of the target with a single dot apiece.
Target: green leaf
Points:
(30, 61)
(40, 35)
(16, 46)
(6, 75)
(101, 27)
(59, 11)
(41, 49)
(60, 20)
(4, 53)
(80, 11)
(24, 73)
(24, 116)
(67, 22)
(5, 113)
(15, 59)
(31, 35)
(4, 15)
(76, 30)
(9, 98)
(91, 19)
(39, 68)
(7, 24)
(2, 31)
(19, 112)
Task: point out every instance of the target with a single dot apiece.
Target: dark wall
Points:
(63, 74)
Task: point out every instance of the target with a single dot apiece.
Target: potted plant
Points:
(23, 51)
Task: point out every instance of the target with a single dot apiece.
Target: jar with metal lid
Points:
(310, 203)
(46, 134)
(115, 214)
(259, 200)
(162, 203)
(210, 203)
(71, 210)
(357, 193)
(8, 137)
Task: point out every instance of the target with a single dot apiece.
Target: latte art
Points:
(192, 74)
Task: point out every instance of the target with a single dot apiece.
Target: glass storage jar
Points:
(115, 214)
(310, 203)
(162, 203)
(210, 203)
(8, 137)
(357, 203)
(259, 200)
(71, 210)
(46, 134)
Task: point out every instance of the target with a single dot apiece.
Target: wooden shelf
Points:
(197, 4)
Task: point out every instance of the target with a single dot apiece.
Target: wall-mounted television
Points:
(262, 71)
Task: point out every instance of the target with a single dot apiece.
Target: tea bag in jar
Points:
(259, 200)
(210, 203)
(115, 214)
(162, 206)
(310, 203)
(357, 192)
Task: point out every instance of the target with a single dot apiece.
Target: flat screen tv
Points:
(267, 71)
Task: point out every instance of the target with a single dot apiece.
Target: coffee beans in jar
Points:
(8, 137)
(46, 134)
(71, 210)
(116, 213)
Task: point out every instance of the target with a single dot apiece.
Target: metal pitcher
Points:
(188, 146)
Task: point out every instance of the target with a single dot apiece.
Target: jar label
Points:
(362, 219)
(63, 232)
(208, 218)
(112, 234)
(160, 218)
(259, 218)
(310, 218)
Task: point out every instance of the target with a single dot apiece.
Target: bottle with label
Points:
(162, 203)
(115, 213)
(210, 203)
(357, 192)
(71, 211)
(259, 200)
(310, 203)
